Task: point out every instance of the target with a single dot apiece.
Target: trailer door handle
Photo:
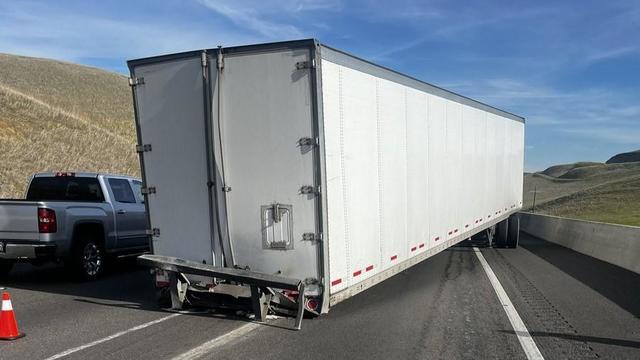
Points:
(121, 211)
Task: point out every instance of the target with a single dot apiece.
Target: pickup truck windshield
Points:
(65, 188)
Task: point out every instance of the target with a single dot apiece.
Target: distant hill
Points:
(632, 156)
(607, 192)
(62, 116)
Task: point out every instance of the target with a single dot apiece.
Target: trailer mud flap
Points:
(257, 281)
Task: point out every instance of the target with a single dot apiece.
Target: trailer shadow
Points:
(619, 285)
(126, 284)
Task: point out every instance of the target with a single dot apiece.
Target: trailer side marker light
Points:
(421, 246)
(413, 248)
(369, 268)
(394, 257)
(336, 282)
(356, 273)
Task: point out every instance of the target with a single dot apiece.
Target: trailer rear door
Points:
(171, 119)
(265, 111)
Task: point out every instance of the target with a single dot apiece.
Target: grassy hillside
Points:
(61, 116)
(590, 191)
(617, 202)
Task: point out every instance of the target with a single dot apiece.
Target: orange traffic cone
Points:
(8, 324)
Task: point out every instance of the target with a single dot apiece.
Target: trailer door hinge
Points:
(305, 141)
(134, 81)
(153, 232)
(148, 190)
(306, 64)
(312, 237)
(143, 148)
(309, 189)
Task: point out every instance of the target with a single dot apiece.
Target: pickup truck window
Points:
(65, 188)
(137, 188)
(122, 191)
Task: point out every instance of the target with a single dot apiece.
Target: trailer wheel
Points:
(502, 234)
(5, 268)
(513, 231)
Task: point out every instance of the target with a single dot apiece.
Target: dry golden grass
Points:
(60, 116)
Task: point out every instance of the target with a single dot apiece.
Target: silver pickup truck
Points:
(83, 219)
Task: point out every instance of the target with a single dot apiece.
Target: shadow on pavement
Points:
(582, 338)
(126, 284)
(615, 283)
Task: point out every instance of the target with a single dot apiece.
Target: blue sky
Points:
(572, 68)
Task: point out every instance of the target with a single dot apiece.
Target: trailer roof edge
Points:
(344, 58)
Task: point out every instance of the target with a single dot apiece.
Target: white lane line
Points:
(526, 341)
(111, 337)
(210, 345)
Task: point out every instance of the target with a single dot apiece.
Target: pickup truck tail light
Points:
(47, 221)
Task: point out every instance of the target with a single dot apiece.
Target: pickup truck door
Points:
(129, 214)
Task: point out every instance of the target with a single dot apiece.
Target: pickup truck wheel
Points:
(5, 268)
(88, 259)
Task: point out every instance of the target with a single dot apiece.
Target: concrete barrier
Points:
(615, 244)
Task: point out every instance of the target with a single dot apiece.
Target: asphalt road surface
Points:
(574, 307)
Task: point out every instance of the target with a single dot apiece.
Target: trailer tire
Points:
(5, 268)
(513, 231)
(502, 234)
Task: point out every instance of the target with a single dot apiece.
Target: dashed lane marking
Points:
(207, 347)
(111, 337)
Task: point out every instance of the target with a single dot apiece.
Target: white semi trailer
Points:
(293, 166)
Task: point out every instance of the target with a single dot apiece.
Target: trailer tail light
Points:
(65, 174)
(312, 305)
(47, 221)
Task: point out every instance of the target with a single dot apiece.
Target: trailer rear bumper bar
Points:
(256, 280)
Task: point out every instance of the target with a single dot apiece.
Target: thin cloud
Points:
(247, 17)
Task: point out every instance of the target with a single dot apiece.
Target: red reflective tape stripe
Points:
(336, 282)
(437, 238)
(394, 257)
(450, 232)
(421, 246)
(369, 268)
(413, 248)
(356, 273)
(455, 231)
(466, 226)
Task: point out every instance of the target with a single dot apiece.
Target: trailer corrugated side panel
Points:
(409, 171)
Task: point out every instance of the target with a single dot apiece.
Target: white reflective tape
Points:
(6, 305)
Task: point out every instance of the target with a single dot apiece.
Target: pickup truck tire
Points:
(88, 259)
(5, 268)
